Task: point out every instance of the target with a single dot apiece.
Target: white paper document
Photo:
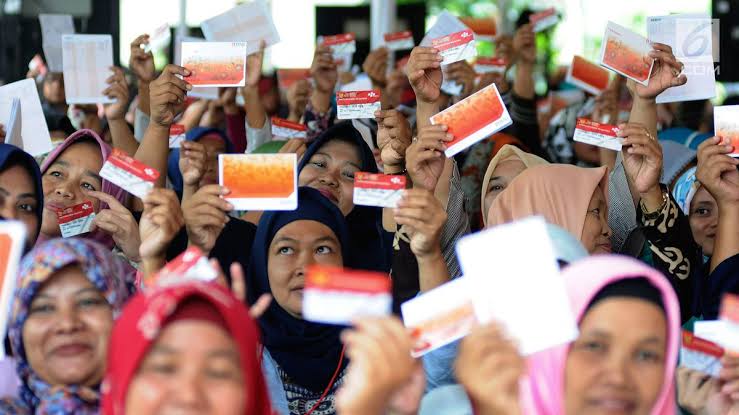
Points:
(53, 26)
(34, 133)
(249, 22)
(446, 24)
(87, 62)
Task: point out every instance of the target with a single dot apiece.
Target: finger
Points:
(415, 223)
(238, 281)
(412, 211)
(171, 70)
(112, 202)
(259, 307)
(141, 39)
(221, 278)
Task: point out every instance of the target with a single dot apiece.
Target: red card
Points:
(191, 265)
(587, 75)
(488, 64)
(389, 37)
(704, 346)
(544, 19)
(338, 279)
(379, 181)
(287, 77)
(176, 129)
(288, 129)
(125, 162)
(357, 97)
(338, 39)
(357, 104)
(74, 212)
(281, 122)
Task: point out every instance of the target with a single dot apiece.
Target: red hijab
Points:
(147, 314)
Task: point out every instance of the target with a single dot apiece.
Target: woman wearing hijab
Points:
(303, 361)
(69, 292)
(622, 361)
(155, 367)
(20, 190)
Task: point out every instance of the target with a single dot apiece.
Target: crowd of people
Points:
(647, 242)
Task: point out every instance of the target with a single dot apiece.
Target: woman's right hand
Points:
(206, 214)
(424, 73)
(425, 157)
(192, 162)
(160, 222)
(717, 171)
(167, 95)
(140, 62)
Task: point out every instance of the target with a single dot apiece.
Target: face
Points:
(54, 89)
(704, 219)
(179, 376)
(214, 146)
(502, 175)
(18, 200)
(331, 171)
(616, 365)
(74, 171)
(596, 234)
(67, 330)
(294, 247)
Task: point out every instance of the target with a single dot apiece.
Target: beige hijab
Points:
(507, 152)
(559, 192)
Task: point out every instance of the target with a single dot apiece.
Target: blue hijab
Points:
(13, 156)
(173, 162)
(308, 352)
(370, 243)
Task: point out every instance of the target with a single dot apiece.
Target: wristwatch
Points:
(653, 215)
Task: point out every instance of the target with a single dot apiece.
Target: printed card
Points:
(446, 24)
(53, 26)
(159, 38)
(75, 220)
(588, 76)
(485, 28)
(287, 77)
(456, 47)
(129, 174)
(176, 135)
(440, 316)
(260, 181)
(626, 53)
(190, 265)
(12, 242)
(544, 19)
(287, 130)
(215, 64)
(381, 190)
(87, 61)
(717, 331)
(250, 22)
(357, 104)
(14, 125)
(523, 249)
(399, 40)
(338, 296)
(726, 126)
(35, 136)
(700, 354)
(597, 134)
(485, 64)
(478, 116)
(342, 44)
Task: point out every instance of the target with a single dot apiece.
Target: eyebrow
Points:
(652, 339)
(329, 156)
(225, 353)
(76, 293)
(326, 239)
(89, 173)
(289, 239)
(5, 192)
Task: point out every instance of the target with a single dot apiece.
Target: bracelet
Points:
(651, 215)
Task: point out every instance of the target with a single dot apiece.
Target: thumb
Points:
(238, 284)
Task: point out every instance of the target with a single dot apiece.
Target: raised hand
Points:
(118, 90)
(375, 66)
(665, 73)
(717, 171)
(393, 138)
(424, 158)
(424, 218)
(254, 66)
(140, 62)
(118, 222)
(524, 45)
(206, 215)
(642, 157)
(323, 70)
(238, 287)
(167, 95)
(297, 99)
(424, 73)
(160, 222)
(192, 162)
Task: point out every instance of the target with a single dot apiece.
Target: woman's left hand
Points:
(665, 73)
(424, 218)
(119, 223)
(642, 155)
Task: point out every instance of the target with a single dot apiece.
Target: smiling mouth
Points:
(330, 196)
(71, 350)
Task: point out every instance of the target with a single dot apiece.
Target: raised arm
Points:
(119, 130)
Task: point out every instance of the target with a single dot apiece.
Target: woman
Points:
(155, 367)
(623, 360)
(574, 198)
(303, 361)
(20, 190)
(215, 142)
(69, 291)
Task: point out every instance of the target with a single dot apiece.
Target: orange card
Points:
(587, 75)
(214, 64)
(260, 181)
(726, 126)
(12, 239)
(626, 53)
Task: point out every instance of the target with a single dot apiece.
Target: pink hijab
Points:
(108, 187)
(542, 392)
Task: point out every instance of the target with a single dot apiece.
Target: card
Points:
(449, 86)
(597, 134)
(587, 76)
(53, 26)
(343, 62)
(700, 354)
(399, 40)
(190, 265)
(626, 53)
(75, 220)
(357, 104)
(159, 38)
(381, 190)
(484, 27)
(204, 92)
(440, 316)
(37, 64)
(691, 39)
(260, 181)
(476, 117)
(251, 22)
(287, 77)
(344, 43)
(726, 126)
(288, 130)
(14, 124)
(338, 296)
(215, 64)
(35, 137)
(721, 332)
(176, 135)
(456, 47)
(523, 249)
(129, 174)
(486, 64)
(12, 242)
(87, 60)
(446, 24)
(544, 19)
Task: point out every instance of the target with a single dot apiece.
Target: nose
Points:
(68, 321)
(188, 392)
(617, 371)
(64, 191)
(329, 178)
(605, 227)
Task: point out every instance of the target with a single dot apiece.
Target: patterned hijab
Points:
(105, 271)
(685, 188)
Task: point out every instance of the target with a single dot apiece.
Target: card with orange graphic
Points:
(260, 181)
(626, 53)
(12, 240)
(726, 126)
(214, 64)
(587, 75)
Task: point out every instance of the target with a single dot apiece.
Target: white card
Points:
(544, 19)
(159, 38)
(452, 88)
(13, 126)
(357, 104)
(456, 46)
(381, 190)
(524, 257)
(726, 126)
(446, 24)
(597, 134)
(624, 52)
(53, 26)
(399, 40)
(129, 174)
(250, 22)
(700, 354)
(176, 135)
(691, 39)
(12, 242)
(287, 130)
(34, 132)
(75, 220)
(214, 64)
(341, 44)
(87, 61)
(190, 265)
(718, 331)
(260, 181)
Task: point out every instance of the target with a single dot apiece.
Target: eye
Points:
(595, 212)
(496, 188)
(55, 174)
(88, 186)
(41, 309)
(324, 250)
(648, 356)
(319, 164)
(162, 368)
(285, 250)
(702, 211)
(223, 374)
(593, 346)
(349, 175)
(27, 207)
(91, 302)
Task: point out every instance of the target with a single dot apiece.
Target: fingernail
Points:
(188, 87)
(188, 72)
